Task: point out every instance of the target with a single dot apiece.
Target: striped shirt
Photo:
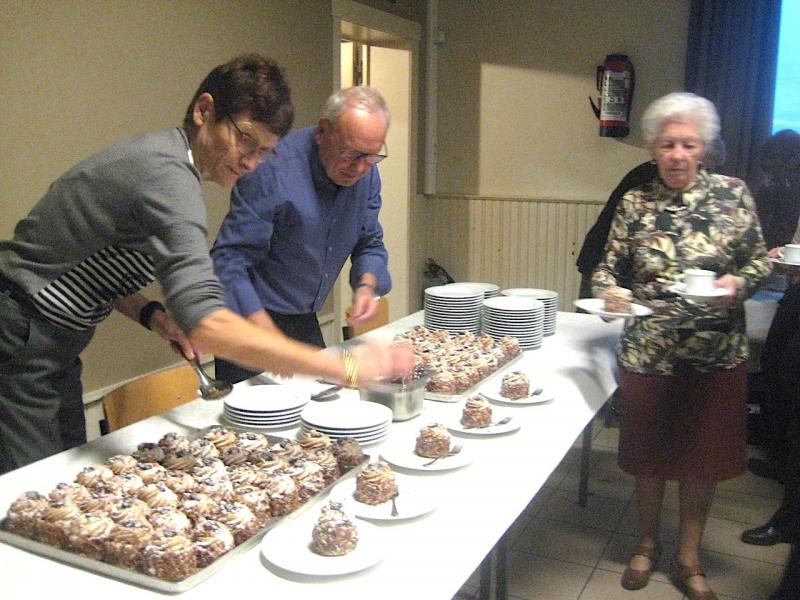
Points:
(85, 295)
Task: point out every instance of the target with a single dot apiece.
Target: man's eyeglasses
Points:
(352, 156)
(249, 147)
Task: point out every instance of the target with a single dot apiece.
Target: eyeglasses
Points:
(249, 147)
(352, 156)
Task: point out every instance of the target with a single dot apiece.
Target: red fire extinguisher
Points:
(615, 82)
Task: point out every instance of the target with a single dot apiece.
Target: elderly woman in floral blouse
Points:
(683, 373)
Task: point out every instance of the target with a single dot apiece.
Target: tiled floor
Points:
(560, 551)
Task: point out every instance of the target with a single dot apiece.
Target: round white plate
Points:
(513, 425)
(288, 546)
(595, 307)
(346, 415)
(531, 292)
(266, 398)
(411, 502)
(226, 420)
(782, 262)
(404, 456)
(680, 289)
(491, 391)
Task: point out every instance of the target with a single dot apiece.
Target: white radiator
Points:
(510, 241)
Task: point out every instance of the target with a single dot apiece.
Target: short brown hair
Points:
(249, 83)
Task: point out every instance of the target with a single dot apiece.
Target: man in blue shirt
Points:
(294, 222)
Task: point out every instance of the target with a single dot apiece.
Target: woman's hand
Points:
(731, 284)
(168, 329)
(376, 361)
(776, 252)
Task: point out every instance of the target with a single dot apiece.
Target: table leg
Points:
(586, 451)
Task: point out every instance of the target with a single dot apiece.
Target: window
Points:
(787, 85)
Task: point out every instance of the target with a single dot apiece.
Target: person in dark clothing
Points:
(778, 194)
(595, 240)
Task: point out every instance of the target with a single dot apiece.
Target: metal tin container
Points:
(403, 399)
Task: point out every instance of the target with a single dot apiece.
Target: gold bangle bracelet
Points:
(350, 370)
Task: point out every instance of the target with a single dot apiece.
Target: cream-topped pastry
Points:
(309, 478)
(212, 468)
(327, 462)
(211, 539)
(515, 385)
(234, 455)
(24, 512)
(126, 483)
(266, 460)
(157, 495)
(288, 450)
(167, 517)
(129, 509)
(69, 492)
(88, 533)
(181, 460)
(283, 494)
(221, 437)
(173, 442)
(203, 448)
(334, 533)
(100, 502)
(250, 441)
(348, 453)
(238, 518)
(179, 481)
(148, 452)
(150, 472)
(375, 484)
(124, 545)
(197, 506)
(53, 525)
(217, 489)
(169, 555)
(257, 500)
(312, 440)
(477, 413)
(433, 441)
(121, 462)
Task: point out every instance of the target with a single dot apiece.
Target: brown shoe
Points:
(634, 579)
(680, 575)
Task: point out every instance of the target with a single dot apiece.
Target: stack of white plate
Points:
(367, 422)
(490, 290)
(453, 309)
(264, 406)
(517, 316)
(548, 297)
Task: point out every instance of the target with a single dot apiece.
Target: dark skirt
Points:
(684, 427)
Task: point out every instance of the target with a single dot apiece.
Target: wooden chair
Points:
(382, 318)
(147, 396)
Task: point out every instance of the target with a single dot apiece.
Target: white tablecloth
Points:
(428, 557)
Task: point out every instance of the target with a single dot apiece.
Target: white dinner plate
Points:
(411, 501)
(680, 289)
(403, 455)
(228, 421)
(346, 415)
(288, 546)
(782, 262)
(455, 426)
(595, 307)
(266, 398)
(491, 391)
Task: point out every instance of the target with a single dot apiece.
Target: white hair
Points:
(679, 107)
(359, 96)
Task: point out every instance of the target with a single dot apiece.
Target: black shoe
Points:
(765, 468)
(766, 535)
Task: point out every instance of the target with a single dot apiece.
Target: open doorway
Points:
(378, 49)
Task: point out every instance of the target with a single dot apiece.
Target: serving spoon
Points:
(210, 389)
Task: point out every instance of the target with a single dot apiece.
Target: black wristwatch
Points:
(146, 314)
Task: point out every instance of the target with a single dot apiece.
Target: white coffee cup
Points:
(791, 253)
(699, 281)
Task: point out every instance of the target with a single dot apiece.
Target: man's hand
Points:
(365, 305)
(731, 284)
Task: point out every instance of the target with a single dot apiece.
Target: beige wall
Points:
(514, 81)
(515, 127)
(77, 75)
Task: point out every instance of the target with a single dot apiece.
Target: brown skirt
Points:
(684, 427)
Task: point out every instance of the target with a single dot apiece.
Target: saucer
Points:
(595, 306)
(680, 289)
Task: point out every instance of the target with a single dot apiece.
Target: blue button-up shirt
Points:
(290, 230)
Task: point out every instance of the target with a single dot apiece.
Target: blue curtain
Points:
(732, 58)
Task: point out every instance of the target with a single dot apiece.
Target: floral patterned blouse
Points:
(657, 233)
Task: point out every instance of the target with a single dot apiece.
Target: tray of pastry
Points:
(459, 362)
(171, 514)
